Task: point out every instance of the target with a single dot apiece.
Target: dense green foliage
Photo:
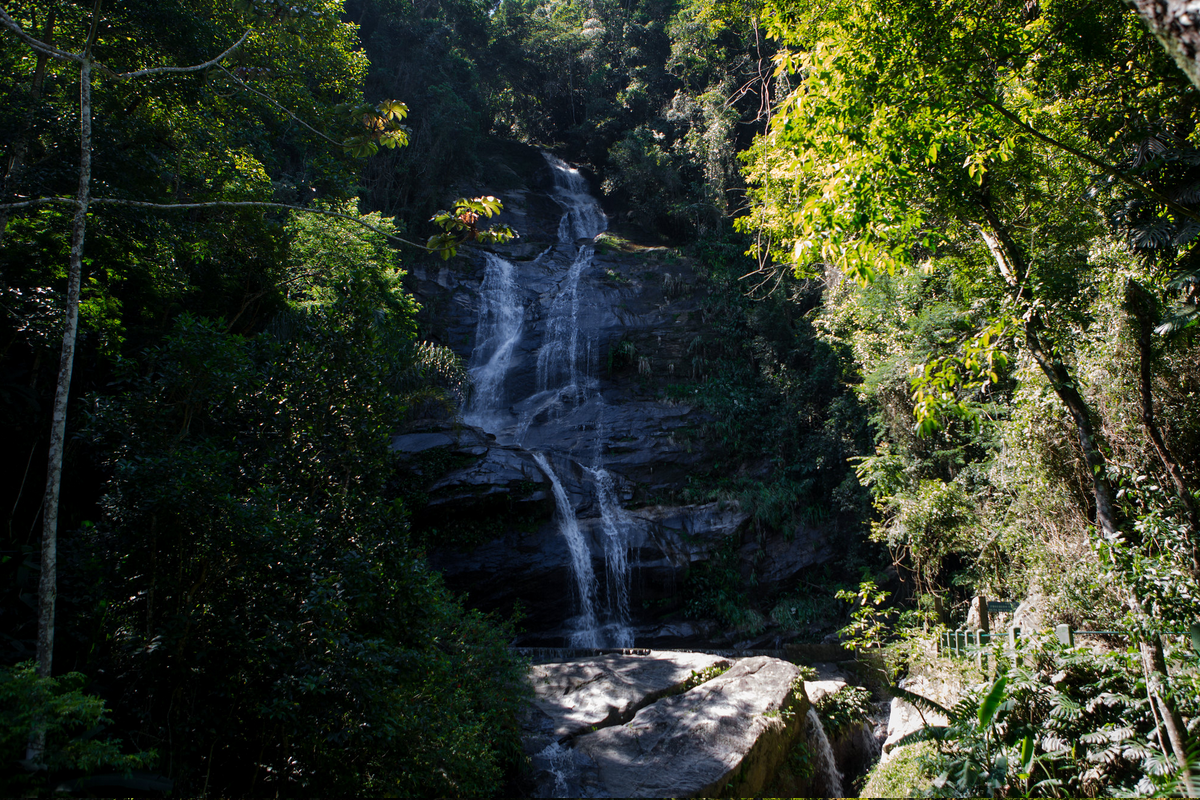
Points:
(971, 230)
(239, 583)
(250, 538)
(844, 709)
(777, 393)
(1054, 722)
(994, 197)
(69, 719)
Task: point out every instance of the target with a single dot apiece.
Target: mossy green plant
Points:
(905, 773)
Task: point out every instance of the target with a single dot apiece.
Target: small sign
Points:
(997, 607)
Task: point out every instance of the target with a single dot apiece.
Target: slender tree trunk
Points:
(48, 584)
(1143, 310)
(1154, 666)
(1011, 262)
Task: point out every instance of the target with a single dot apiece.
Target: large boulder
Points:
(727, 736)
(579, 696)
(905, 718)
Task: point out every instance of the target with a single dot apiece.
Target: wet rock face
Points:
(637, 320)
(530, 566)
(729, 735)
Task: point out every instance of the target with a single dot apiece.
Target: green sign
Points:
(995, 607)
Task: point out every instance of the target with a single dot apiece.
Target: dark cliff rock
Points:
(487, 505)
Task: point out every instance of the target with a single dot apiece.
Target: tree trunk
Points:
(48, 584)
(1155, 668)
(1142, 308)
(1176, 25)
(1011, 262)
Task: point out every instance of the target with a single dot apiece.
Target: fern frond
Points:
(929, 733)
(921, 702)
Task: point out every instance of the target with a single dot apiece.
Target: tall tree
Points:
(918, 123)
(262, 29)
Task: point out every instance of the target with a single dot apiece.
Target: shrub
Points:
(69, 721)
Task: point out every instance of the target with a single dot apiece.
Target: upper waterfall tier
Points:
(501, 318)
(584, 218)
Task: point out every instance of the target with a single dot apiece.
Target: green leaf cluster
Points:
(1058, 722)
(69, 722)
(253, 560)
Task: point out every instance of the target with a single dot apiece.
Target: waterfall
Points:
(616, 560)
(567, 361)
(587, 633)
(496, 334)
(558, 359)
(827, 772)
(584, 218)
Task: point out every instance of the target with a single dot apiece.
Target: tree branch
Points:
(109, 201)
(34, 44)
(1011, 262)
(249, 204)
(1095, 162)
(41, 201)
(141, 73)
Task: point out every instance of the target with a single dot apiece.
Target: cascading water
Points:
(616, 560)
(558, 358)
(565, 384)
(501, 317)
(586, 628)
(584, 218)
(826, 771)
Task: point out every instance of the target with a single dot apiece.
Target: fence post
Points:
(1065, 635)
(939, 609)
(985, 627)
(981, 604)
(1014, 636)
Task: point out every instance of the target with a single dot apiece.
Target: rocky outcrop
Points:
(478, 468)
(905, 718)
(531, 566)
(727, 736)
(637, 323)
(854, 747)
(579, 696)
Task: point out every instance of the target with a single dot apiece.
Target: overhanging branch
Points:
(278, 106)
(142, 73)
(109, 201)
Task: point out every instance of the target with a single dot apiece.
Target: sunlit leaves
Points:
(461, 225)
(381, 125)
(939, 385)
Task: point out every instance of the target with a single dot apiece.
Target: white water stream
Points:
(566, 367)
(501, 319)
(826, 766)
